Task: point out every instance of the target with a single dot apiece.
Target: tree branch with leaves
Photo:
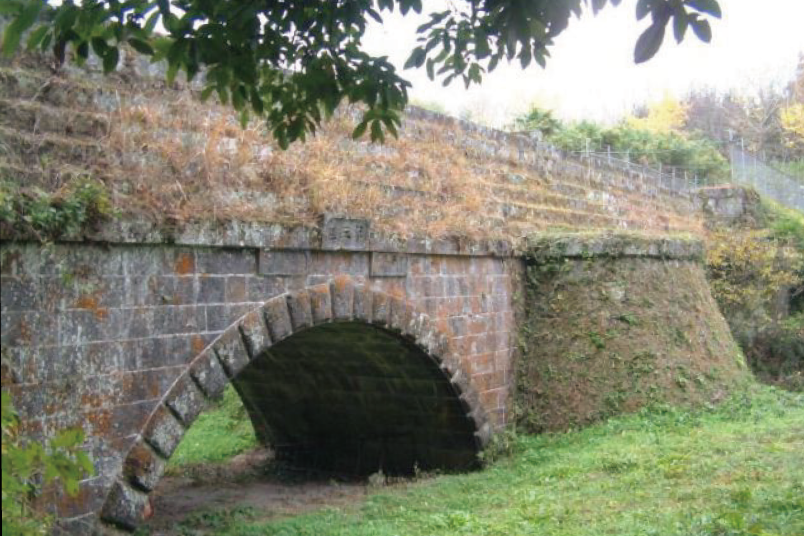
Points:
(293, 61)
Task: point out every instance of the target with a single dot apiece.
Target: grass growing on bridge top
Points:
(170, 159)
(733, 470)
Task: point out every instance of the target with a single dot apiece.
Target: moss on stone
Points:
(607, 332)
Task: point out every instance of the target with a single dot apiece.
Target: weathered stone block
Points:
(381, 309)
(236, 289)
(144, 467)
(277, 318)
(226, 261)
(399, 317)
(231, 352)
(219, 317)
(345, 234)
(163, 431)
(212, 289)
(363, 303)
(301, 312)
(208, 373)
(283, 262)
(170, 320)
(124, 506)
(18, 294)
(342, 291)
(186, 400)
(321, 303)
(389, 264)
(255, 333)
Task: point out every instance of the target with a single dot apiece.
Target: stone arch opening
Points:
(354, 398)
(337, 376)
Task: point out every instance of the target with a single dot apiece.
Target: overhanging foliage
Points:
(293, 62)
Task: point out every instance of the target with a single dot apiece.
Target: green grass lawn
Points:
(217, 435)
(737, 469)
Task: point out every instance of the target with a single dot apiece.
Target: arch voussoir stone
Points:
(277, 318)
(144, 466)
(255, 333)
(186, 400)
(342, 291)
(231, 350)
(397, 319)
(380, 309)
(301, 312)
(124, 506)
(362, 303)
(163, 431)
(321, 303)
(208, 373)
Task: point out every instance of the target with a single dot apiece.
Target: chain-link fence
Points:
(746, 169)
(749, 170)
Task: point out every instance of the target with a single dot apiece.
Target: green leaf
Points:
(85, 463)
(710, 7)
(376, 131)
(416, 58)
(702, 29)
(110, 60)
(643, 8)
(99, 46)
(172, 71)
(360, 129)
(649, 43)
(141, 46)
(151, 21)
(680, 24)
(207, 91)
(36, 37)
(23, 21)
(82, 50)
(256, 101)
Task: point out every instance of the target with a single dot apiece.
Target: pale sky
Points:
(591, 73)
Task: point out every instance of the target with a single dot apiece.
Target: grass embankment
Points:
(731, 470)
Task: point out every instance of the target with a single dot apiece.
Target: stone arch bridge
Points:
(351, 348)
(349, 352)
(346, 354)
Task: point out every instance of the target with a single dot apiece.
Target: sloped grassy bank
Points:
(731, 469)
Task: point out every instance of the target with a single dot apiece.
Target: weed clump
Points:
(80, 205)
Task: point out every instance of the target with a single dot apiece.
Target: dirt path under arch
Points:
(204, 495)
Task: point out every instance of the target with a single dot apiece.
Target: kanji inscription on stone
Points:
(345, 233)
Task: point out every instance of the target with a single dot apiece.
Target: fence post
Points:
(731, 160)
(742, 156)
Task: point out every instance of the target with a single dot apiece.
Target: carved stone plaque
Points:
(345, 234)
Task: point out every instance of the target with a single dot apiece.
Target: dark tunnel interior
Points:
(353, 398)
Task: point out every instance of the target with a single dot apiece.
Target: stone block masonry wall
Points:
(95, 334)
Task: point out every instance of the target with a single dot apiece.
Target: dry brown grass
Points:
(167, 156)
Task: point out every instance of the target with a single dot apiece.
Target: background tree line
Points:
(693, 134)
